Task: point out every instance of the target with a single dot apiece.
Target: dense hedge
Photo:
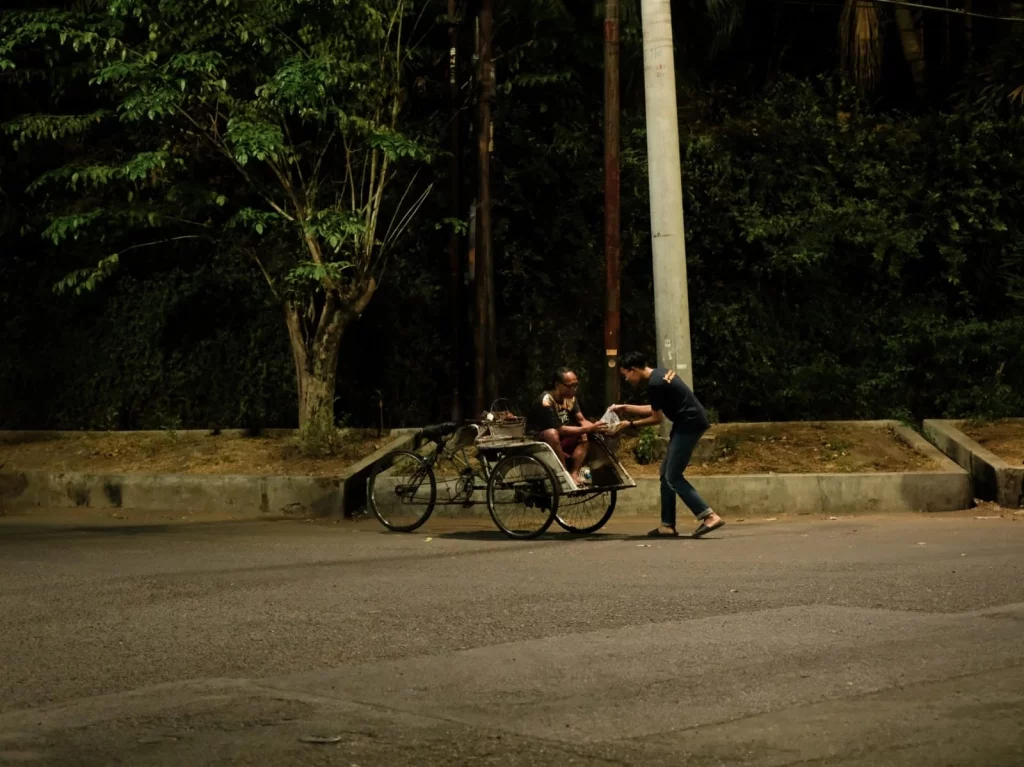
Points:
(843, 263)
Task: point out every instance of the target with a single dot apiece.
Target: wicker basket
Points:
(507, 428)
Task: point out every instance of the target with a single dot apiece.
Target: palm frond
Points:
(861, 44)
(726, 18)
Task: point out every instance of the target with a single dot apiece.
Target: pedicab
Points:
(492, 459)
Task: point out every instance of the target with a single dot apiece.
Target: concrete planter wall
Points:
(945, 488)
(994, 479)
(948, 487)
(255, 496)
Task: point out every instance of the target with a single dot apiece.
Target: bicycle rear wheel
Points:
(402, 491)
(584, 514)
(522, 496)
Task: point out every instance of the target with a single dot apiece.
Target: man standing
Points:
(672, 398)
(555, 417)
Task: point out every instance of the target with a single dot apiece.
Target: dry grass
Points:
(793, 449)
(1005, 438)
(175, 453)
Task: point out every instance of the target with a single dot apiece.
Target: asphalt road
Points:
(858, 641)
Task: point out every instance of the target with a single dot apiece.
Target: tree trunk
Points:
(316, 363)
(913, 50)
(316, 410)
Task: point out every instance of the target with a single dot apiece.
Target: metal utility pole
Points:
(612, 247)
(486, 353)
(455, 263)
(671, 303)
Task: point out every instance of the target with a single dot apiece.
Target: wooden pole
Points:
(455, 262)
(485, 332)
(612, 242)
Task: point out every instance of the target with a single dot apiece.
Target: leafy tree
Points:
(270, 128)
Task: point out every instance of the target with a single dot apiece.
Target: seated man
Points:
(556, 418)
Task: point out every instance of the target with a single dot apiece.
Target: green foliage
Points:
(646, 445)
(319, 438)
(313, 273)
(307, 91)
(54, 127)
(189, 343)
(337, 229)
(271, 127)
(850, 263)
(843, 261)
(86, 280)
(255, 221)
(145, 166)
(254, 140)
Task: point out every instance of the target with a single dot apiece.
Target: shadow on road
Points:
(38, 532)
(35, 530)
(483, 535)
(557, 535)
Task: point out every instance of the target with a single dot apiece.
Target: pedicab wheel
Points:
(402, 491)
(586, 513)
(522, 496)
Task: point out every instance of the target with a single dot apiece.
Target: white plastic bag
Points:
(613, 421)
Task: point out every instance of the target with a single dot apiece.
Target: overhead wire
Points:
(920, 6)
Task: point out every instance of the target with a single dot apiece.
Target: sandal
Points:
(656, 533)
(705, 529)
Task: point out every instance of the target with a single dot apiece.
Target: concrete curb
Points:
(945, 489)
(253, 496)
(994, 479)
(34, 435)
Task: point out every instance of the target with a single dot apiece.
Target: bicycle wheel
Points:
(522, 496)
(402, 491)
(587, 513)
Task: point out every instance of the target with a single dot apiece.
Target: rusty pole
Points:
(612, 242)
(492, 301)
(485, 333)
(455, 262)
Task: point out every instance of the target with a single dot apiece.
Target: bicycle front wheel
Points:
(402, 491)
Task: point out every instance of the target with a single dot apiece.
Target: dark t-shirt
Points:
(545, 413)
(678, 402)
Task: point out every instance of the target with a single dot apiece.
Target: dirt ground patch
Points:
(1005, 438)
(792, 449)
(175, 453)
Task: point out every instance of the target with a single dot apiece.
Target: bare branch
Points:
(385, 248)
(164, 242)
(266, 275)
(349, 175)
(372, 194)
(218, 143)
(320, 159)
(294, 154)
(289, 189)
(398, 207)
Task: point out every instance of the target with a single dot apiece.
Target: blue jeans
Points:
(680, 447)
